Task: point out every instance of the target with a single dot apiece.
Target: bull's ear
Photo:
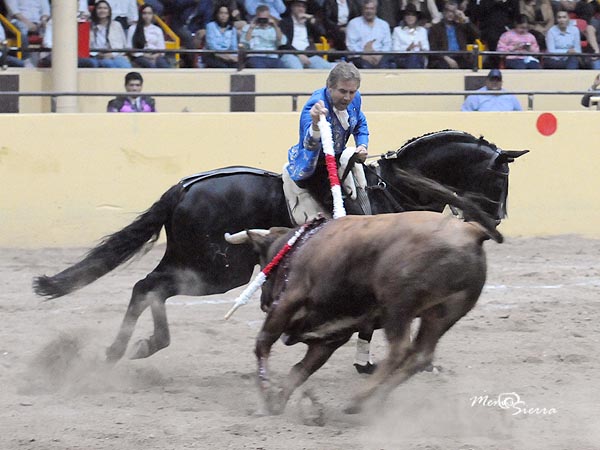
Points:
(259, 240)
(509, 156)
(275, 232)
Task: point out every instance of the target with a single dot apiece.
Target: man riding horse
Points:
(305, 175)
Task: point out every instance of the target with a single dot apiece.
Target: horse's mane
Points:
(443, 136)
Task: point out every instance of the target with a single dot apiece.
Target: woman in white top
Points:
(410, 37)
(107, 34)
(146, 35)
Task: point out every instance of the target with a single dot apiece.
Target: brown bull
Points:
(369, 271)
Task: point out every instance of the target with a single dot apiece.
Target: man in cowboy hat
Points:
(302, 30)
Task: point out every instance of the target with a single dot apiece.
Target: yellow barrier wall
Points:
(194, 81)
(70, 179)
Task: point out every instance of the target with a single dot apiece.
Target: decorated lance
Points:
(338, 211)
(334, 180)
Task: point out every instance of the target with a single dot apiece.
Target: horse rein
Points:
(382, 186)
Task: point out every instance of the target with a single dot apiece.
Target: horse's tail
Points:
(114, 249)
(470, 209)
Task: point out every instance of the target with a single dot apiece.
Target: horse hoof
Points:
(432, 369)
(142, 349)
(367, 368)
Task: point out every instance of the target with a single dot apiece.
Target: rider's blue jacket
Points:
(304, 156)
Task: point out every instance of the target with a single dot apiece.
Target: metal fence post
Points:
(241, 62)
(475, 56)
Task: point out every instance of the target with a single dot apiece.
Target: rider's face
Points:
(343, 93)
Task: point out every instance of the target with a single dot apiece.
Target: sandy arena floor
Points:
(533, 338)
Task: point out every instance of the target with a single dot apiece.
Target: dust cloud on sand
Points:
(72, 365)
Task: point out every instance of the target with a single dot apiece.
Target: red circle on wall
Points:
(546, 124)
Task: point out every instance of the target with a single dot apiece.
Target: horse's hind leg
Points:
(151, 291)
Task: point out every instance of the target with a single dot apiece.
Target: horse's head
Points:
(467, 164)
(496, 185)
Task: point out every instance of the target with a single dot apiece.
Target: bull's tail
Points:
(113, 251)
(470, 209)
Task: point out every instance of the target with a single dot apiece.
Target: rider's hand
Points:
(315, 113)
(361, 150)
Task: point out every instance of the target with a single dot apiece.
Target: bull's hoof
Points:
(312, 412)
(142, 349)
(275, 401)
(367, 368)
(113, 354)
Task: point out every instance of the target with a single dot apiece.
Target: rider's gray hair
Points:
(343, 71)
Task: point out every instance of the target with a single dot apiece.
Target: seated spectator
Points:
(336, 15)
(46, 58)
(540, 15)
(594, 92)
(586, 10)
(495, 17)
(187, 19)
(589, 10)
(276, 8)
(221, 35)
(146, 35)
(10, 61)
(453, 34)
(30, 17)
(519, 39)
(410, 38)
(487, 102)
(429, 13)
(133, 102)
(301, 30)
(369, 33)
(263, 33)
(563, 38)
(124, 12)
(106, 34)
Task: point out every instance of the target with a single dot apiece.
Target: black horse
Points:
(197, 211)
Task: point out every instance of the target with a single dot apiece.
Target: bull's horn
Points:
(242, 236)
(237, 238)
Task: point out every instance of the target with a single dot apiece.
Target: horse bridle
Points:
(382, 186)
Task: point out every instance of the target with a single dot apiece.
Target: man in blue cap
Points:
(486, 102)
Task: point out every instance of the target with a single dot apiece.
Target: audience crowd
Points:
(524, 28)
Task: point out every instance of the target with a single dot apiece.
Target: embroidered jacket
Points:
(304, 156)
(124, 104)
